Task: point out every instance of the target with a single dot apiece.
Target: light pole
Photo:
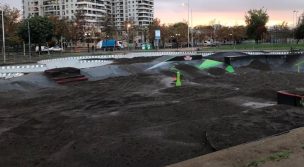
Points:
(296, 18)
(192, 29)
(171, 41)
(87, 35)
(233, 40)
(295, 12)
(177, 35)
(128, 27)
(188, 5)
(3, 32)
(188, 23)
(29, 38)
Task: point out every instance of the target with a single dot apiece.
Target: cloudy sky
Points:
(226, 12)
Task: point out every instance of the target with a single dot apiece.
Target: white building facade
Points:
(139, 12)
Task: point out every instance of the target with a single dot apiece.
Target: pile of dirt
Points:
(263, 123)
(134, 60)
(216, 71)
(258, 65)
(190, 71)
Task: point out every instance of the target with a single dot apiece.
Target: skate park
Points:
(131, 108)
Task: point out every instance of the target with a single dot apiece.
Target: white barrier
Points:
(273, 53)
(10, 75)
(85, 62)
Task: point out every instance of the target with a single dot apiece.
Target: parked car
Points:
(43, 49)
(56, 49)
(208, 43)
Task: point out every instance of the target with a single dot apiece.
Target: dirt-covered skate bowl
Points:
(141, 120)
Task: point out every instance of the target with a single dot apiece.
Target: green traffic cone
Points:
(229, 69)
(178, 79)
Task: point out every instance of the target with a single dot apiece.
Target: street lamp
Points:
(3, 32)
(188, 4)
(295, 12)
(29, 38)
(128, 27)
(188, 24)
(172, 36)
(192, 30)
(296, 18)
(177, 35)
(87, 35)
(233, 40)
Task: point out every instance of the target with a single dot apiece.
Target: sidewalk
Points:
(278, 151)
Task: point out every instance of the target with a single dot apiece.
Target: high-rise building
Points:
(139, 12)
(94, 11)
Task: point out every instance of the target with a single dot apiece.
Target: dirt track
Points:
(138, 121)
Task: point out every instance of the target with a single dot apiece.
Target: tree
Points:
(203, 33)
(223, 33)
(131, 30)
(155, 25)
(299, 31)
(108, 26)
(280, 32)
(11, 21)
(60, 27)
(165, 34)
(238, 33)
(180, 30)
(76, 29)
(256, 21)
(41, 29)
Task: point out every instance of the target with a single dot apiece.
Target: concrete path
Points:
(95, 61)
(278, 151)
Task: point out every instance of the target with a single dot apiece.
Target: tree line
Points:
(255, 29)
(53, 30)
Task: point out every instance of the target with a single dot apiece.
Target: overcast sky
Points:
(226, 12)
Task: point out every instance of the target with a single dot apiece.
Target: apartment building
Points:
(94, 10)
(139, 12)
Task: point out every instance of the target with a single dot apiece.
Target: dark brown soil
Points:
(216, 71)
(256, 64)
(137, 121)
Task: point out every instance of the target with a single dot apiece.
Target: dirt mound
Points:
(220, 56)
(134, 60)
(191, 70)
(256, 64)
(187, 71)
(252, 126)
(216, 71)
(137, 120)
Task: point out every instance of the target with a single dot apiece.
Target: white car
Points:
(208, 43)
(43, 49)
(56, 49)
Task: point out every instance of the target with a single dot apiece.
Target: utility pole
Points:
(295, 13)
(188, 24)
(29, 38)
(192, 40)
(128, 27)
(3, 32)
